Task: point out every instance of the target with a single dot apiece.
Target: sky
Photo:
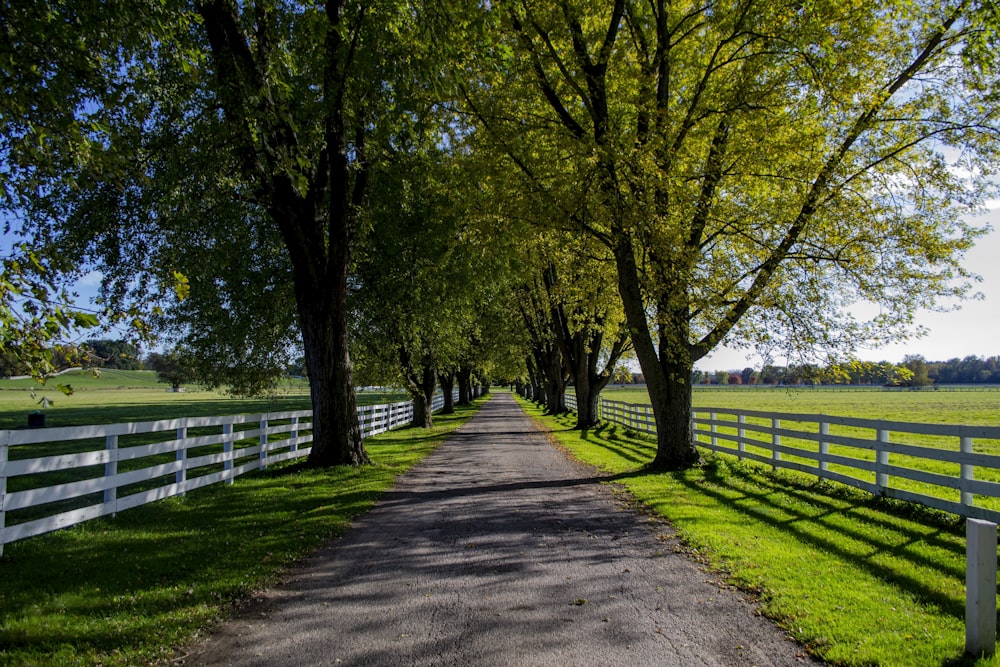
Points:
(973, 329)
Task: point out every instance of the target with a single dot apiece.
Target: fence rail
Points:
(942, 466)
(105, 469)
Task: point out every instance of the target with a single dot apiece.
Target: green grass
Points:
(857, 580)
(129, 396)
(928, 407)
(125, 591)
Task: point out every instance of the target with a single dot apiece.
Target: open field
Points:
(123, 396)
(927, 406)
(125, 591)
(858, 580)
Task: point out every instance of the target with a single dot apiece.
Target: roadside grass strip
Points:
(127, 590)
(855, 579)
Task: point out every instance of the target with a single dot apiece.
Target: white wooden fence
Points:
(111, 468)
(937, 465)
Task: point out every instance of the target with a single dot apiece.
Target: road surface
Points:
(499, 550)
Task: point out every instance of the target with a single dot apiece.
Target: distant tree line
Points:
(914, 370)
(969, 370)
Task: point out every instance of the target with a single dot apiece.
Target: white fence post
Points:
(227, 450)
(715, 429)
(741, 433)
(775, 443)
(293, 434)
(3, 483)
(111, 470)
(968, 474)
(263, 443)
(980, 587)
(881, 461)
(180, 477)
(824, 447)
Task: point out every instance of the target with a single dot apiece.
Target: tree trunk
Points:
(667, 374)
(420, 385)
(464, 376)
(555, 397)
(586, 402)
(422, 399)
(447, 381)
(538, 393)
(675, 449)
(335, 430)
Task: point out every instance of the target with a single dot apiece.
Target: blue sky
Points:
(973, 329)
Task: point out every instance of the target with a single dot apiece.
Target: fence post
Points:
(881, 461)
(262, 457)
(775, 443)
(181, 475)
(968, 474)
(824, 447)
(227, 449)
(980, 587)
(4, 435)
(111, 470)
(715, 429)
(741, 446)
(293, 434)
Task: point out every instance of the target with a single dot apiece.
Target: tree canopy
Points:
(755, 167)
(263, 180)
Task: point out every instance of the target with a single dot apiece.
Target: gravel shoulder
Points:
(499, 550)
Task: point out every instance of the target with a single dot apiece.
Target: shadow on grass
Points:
(173, 559)
(733, 486)
(631, 449)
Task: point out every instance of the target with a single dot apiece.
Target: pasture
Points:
(126, 396)
(972, 408)
(926, 406)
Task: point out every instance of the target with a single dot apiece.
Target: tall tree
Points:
(416, 277)
(223, 120)
(587, 322)
(755, 167)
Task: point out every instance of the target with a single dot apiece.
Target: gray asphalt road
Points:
(498, 550)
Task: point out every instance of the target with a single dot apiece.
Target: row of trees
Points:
(92, 353)
(432, 190)
(915, 370)
(854, 372)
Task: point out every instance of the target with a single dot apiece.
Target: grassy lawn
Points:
(858, 581)
(927, 406)
(125, 591)
(129, 396)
